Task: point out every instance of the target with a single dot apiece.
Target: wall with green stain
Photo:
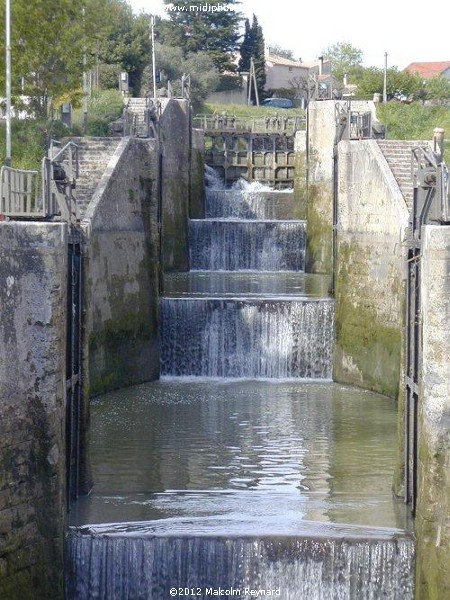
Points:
(175, 139)
(197, 176)
(121, 275)
(321, 135)
(432, 512)
(33, 300)
(300, 182)
(370, 270)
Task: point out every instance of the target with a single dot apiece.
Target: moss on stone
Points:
(362, 339)
(319, 249)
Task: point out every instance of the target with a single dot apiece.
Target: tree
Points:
(171, 62)
(246, 48)
(438, 90)
(344, 57)
(48, 40)
(194, 30)
(400, 84)
(128, 42)
(253, 47)
(279, 51)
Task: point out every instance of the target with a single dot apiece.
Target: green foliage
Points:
(277, 50)
(29, 141)
(252, 47)
(172, 63)
(343, 57)
(49, 38)
(193, 30)
(398, 83)
(413, 121)
(127, 44)
(438, 90)
(104, 107)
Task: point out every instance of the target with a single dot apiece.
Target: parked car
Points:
(278, 103)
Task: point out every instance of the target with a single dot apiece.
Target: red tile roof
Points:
(428, 69)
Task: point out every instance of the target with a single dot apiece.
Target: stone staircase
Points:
(398, 156)
(94, 154)
(137, 107)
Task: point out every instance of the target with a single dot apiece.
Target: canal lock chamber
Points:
(244, 467)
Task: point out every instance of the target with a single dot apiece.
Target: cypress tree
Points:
(194, 30)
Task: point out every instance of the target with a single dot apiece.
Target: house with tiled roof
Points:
(427, 70)
(280, 71)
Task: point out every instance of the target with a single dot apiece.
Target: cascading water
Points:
(243, 487)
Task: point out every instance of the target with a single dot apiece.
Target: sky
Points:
(308, 28)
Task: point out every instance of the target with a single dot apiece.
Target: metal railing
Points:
(431, 200)
(140, 121)
(230, 123)
(33, 195)
(19, 193)
(350, 124)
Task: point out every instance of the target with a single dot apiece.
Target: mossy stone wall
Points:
(197, 176)
(321, 136)
(121, 274)
(175, 139)
(33, 272)
(370, 270)
(432, 513)
(300, 182)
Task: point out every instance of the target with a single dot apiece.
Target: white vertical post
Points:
(153, 57)
(385, 78)
(8, 82)
(85, 86)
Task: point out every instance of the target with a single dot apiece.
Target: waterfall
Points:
(128, 567)
(249, 204)
(247, 245)
(276, 338)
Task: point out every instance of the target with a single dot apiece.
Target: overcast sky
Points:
(307, 28)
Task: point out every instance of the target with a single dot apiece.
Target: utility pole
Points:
(85, 87)
(8, 159)
(153, 57)
(253, 78)
(385, 78)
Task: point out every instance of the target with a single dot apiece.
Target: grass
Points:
(104, 107)
(241, 110)
(414, 122)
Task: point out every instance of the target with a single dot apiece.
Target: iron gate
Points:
(73, 367)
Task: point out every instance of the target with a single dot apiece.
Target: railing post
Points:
(438, 143)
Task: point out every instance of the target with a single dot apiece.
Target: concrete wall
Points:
(121, 271)
(229, 96)
(370, 274)
(33, 297)
(433, 516)
(321, 135)
(175, 147)
(300, 183)
(197, 175)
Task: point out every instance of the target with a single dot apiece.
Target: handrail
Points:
(267, 124)
(19, 193)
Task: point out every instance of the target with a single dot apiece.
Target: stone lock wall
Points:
(33, 298)
(121, 271)
(433, 504)
(197, 176)
(300, 181)
(370, 270)
(321, 135)
(174, 140)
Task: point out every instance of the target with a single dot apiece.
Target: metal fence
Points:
(48, 193)
(230, 123)
(20, 193)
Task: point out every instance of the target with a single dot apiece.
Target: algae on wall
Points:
(368, 350)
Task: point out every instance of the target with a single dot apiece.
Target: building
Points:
(427, 70)
(284, 73)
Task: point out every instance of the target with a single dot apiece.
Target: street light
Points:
(8, 82)
(385, 78)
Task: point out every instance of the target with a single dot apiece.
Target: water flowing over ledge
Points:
(126, 567)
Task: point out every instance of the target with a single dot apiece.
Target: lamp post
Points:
(8, 82)
(153, 57)
(385, 78)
